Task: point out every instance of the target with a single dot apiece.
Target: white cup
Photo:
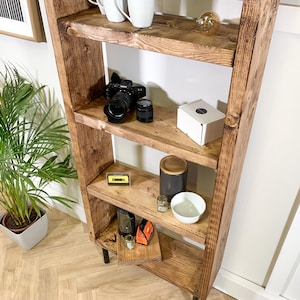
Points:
(141, 12)
(110, 8)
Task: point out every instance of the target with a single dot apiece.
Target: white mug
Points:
(110, 8)
(141, 12)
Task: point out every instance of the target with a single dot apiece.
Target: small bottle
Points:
(129, 241)
(162, 203)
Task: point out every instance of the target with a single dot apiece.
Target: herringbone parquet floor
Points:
(67, 266)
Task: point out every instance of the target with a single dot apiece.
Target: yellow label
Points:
(121, 179)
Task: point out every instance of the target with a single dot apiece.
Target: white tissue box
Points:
(200, 121)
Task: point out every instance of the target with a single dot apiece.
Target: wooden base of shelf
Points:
(181, 263)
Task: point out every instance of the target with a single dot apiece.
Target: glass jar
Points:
(129, 241)
(162, 203)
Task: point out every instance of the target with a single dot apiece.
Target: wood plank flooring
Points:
(67, 266)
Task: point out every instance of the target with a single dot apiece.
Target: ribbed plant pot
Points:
(32, 235)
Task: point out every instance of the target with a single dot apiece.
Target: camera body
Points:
(126, 86)
(121, 95)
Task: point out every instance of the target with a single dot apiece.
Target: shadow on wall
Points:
(283, 237)
(162, 77)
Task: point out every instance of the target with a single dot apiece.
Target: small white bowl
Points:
(187, 207)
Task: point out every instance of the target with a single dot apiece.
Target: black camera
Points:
(121, 96)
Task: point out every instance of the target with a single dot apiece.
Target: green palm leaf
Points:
(33, 138)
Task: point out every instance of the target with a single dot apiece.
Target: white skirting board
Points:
(240, 288)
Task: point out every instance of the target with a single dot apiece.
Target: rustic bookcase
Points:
(77, 32)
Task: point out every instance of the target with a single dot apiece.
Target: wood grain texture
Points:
(140, 199)
(181, 263)
(81, 81)
(77, 41)
(161, 134)
(173, 35)
(258, 18)
(66, 265)
(140, 253)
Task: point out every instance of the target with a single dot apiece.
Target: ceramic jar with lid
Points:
(173, 176)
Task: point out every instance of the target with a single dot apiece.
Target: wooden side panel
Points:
(83, 62)
(253, 45)
(80, 66)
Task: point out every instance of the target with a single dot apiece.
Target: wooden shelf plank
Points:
(161, 134)
(181, 263)
(169, 34)
(140, 253)
(140, 199)
(108, 238)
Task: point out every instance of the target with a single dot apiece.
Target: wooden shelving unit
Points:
(77, 32)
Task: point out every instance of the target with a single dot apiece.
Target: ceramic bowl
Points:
(187, 207)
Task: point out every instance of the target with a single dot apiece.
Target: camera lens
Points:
(118, 106)
(144, 110)
(115, 111)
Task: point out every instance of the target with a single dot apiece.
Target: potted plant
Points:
(33, 136)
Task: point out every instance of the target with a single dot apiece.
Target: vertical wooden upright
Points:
(255, 32)
(77, 32)
(81, 81)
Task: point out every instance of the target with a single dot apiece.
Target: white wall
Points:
(270, 179)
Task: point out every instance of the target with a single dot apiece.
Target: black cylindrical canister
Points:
(173, 176)
(144, 110)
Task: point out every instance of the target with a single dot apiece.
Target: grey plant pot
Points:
(32, 235)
